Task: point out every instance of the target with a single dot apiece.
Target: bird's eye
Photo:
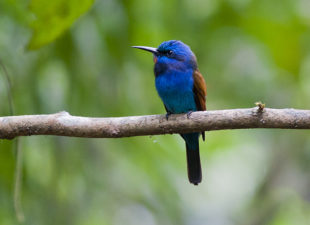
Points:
(169, 53)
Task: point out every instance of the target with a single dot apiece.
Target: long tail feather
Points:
(193, 157)
(193, 165)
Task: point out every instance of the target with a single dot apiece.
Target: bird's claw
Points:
(188, 114)
(167, 115)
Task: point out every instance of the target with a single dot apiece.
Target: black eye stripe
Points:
(166, 52)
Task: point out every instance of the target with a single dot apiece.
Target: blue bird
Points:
(182, 89)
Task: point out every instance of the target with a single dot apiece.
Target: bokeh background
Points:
(76, 56)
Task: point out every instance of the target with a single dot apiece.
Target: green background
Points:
(76, 56)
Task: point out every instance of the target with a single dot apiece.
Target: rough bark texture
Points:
(63, 124)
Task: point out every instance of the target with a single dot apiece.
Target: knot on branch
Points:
(261, 106)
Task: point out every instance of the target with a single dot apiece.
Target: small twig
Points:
(8, 88)
(18, 182)
(260, 106)
(18, 151)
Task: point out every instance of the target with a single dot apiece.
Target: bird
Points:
(182, 89)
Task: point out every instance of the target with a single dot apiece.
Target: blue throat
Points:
(175, 87)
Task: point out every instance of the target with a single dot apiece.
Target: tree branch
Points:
(63, 124)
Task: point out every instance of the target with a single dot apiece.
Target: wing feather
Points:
(200, 92)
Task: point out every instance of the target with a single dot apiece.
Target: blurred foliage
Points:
(52, 18)
(248, 51)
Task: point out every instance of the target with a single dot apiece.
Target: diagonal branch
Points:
(63, 124)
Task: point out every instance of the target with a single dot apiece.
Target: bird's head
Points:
(172, 54)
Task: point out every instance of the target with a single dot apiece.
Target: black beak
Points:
(149, 49)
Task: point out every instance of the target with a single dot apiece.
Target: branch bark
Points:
(63, 124)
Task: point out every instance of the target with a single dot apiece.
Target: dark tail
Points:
(193, 157)
(193, 165)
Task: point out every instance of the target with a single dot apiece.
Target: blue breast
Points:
(175, 88)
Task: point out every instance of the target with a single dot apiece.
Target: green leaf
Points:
(53, 18)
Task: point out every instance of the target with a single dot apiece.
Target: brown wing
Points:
(200, 92)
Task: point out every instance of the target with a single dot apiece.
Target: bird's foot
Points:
(188, 114)
(167, 115)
